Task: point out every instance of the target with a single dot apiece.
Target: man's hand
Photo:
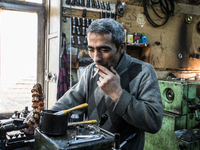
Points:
(109, 82)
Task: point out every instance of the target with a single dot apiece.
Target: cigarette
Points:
(95, 73)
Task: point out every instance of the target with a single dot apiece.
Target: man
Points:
(126, 89)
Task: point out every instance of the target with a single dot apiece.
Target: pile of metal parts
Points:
(106, 10)
(85, 137)
(190, 136)
(78, 136)
(12, 135)
(88, 4)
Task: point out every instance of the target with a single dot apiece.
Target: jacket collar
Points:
(123, 63)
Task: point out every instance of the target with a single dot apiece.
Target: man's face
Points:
(102, 50)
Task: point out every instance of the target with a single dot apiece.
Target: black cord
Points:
(167, 8)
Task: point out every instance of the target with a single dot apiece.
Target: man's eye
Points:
(105, 50)
(90, 50)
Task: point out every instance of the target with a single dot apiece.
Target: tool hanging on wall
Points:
(121, 8)
(84, 13)
(167, 8)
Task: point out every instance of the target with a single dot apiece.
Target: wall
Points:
(175, 37)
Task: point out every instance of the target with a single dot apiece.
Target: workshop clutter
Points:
(12, 130)
(88, 4)
(136, 39)
(79, 26)
(105, 9)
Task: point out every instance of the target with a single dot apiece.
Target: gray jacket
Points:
(139, 108)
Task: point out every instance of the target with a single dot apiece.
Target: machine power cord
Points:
(167, 8)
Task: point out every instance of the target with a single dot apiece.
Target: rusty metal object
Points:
(38, 104)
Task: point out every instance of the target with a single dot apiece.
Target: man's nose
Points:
(97, 56)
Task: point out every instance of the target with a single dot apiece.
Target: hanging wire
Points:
(70, 72)
(167, 8)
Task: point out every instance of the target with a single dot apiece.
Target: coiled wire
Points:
(167, 8)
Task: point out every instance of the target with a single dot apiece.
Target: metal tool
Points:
(83, 22)
(83, 31)
(128, 139)
(102, 139)
(85, 136)
(102, 5)
(73, 142)
(79, 21)
(108, 6)
(73, 2)
(79, 40)
(117, 142)
(72, 39)
(97, 4)
(64, 112)
(65, 19)
(74, 118)
(197, 117)
(110, 16)
(67, 2)
(74, 30)
(85, 40)
(74, 21)
(78, 30)
(84, 13)
(88, 22)
(114, 16)
(78, 2)
(82, 3)
(88, 3)
(106, 14)
(103, 119)
(101, 14)
(82, 122)
(93, 4)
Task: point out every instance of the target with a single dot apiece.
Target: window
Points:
(21, 54)
(18, 59)
(33, 1)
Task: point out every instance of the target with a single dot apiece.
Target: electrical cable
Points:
(167, 8)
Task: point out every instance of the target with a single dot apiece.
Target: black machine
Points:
(77, 136)
(12, 135)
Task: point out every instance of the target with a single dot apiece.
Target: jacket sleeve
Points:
(142, 107)
(73, 97)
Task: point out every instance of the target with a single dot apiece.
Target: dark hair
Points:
(107, 26)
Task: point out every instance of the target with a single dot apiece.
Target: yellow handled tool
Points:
(64, 112)
(84, 122)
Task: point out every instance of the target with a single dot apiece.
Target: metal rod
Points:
(70, 78)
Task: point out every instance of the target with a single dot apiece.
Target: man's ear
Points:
(122, 47)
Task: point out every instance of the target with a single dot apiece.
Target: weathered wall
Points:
(175, 37)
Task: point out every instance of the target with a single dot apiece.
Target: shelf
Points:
(139, 45)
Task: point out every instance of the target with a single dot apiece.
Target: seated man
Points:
(124, 88)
